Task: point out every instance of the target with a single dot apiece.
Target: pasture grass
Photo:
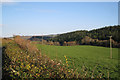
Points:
(93, 58)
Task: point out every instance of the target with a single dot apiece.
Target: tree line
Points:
(101, 34)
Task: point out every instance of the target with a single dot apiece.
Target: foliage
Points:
(39, 38)
(100, 34)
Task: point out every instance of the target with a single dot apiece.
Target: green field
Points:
(90, 58)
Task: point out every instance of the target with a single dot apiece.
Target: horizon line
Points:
(54, 33)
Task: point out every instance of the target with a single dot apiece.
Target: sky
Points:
(42, 18)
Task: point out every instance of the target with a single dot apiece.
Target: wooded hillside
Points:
(100, 34)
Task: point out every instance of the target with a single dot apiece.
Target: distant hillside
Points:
(26, 37)
(100, 34)
(35, 38)
(39, 38)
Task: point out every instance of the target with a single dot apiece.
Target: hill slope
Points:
(100, 34)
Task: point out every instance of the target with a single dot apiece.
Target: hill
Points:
(100, 34)
(39, 38)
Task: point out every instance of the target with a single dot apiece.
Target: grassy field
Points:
(91, 59)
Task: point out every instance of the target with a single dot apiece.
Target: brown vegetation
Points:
(71, 43)
(89, 41)
(25, 44)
